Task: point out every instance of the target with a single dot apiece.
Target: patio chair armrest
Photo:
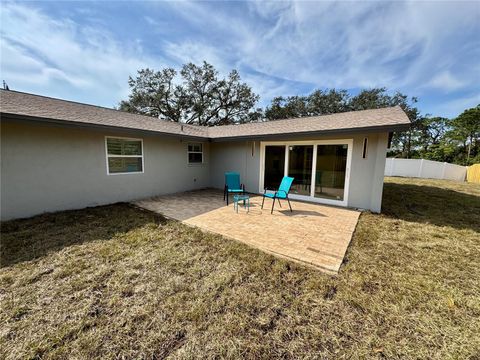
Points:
(286, 193)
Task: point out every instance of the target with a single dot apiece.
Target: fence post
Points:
(420, 169)
(443, 170)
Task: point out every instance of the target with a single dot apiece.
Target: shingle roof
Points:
(391, 117)
(42, 107)
(18, 104)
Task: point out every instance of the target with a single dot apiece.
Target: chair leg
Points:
(273, 204)
(227, 198)
(263, 201)
(279, 202)
(290, 206)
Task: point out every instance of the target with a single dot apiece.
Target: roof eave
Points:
(75, 124)
(370, 129)
(85, 125)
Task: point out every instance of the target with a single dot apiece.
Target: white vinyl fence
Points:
(427, 169)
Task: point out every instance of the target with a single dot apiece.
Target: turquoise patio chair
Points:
(232, 185)
(281, 193)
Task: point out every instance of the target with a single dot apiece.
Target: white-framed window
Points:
(124, 155)
(195, 153)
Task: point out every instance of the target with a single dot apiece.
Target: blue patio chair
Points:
(232, 185)
(281, 193)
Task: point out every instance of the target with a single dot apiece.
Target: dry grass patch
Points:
(118, 282)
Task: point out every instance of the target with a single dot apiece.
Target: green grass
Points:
(118, 282)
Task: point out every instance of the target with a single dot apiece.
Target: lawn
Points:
(119, 282)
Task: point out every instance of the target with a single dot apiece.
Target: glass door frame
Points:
(311, 197)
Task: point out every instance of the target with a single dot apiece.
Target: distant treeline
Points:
(198, 95)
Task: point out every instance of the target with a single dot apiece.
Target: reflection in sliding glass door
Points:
(274, 166)
(330, 171)
(300, 161)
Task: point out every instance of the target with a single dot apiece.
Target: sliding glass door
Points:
(274, 166)
(330, 171)
(300, 160)
(320, 168)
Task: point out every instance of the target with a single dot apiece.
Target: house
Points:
(58, 155)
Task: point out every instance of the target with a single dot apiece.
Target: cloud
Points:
(364, 45)
(446, 82)
(456, 106)
(196, 52)
(61, 58)
(423, 49)
(396, 44)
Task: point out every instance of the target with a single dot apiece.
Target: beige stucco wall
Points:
(366, 175)
(47, 168)
(239, 156)
(366, 183)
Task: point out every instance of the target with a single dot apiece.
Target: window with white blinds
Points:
(124, 155)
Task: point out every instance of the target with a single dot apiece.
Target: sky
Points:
(85, 51)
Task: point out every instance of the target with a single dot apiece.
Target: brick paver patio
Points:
(313, 234)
